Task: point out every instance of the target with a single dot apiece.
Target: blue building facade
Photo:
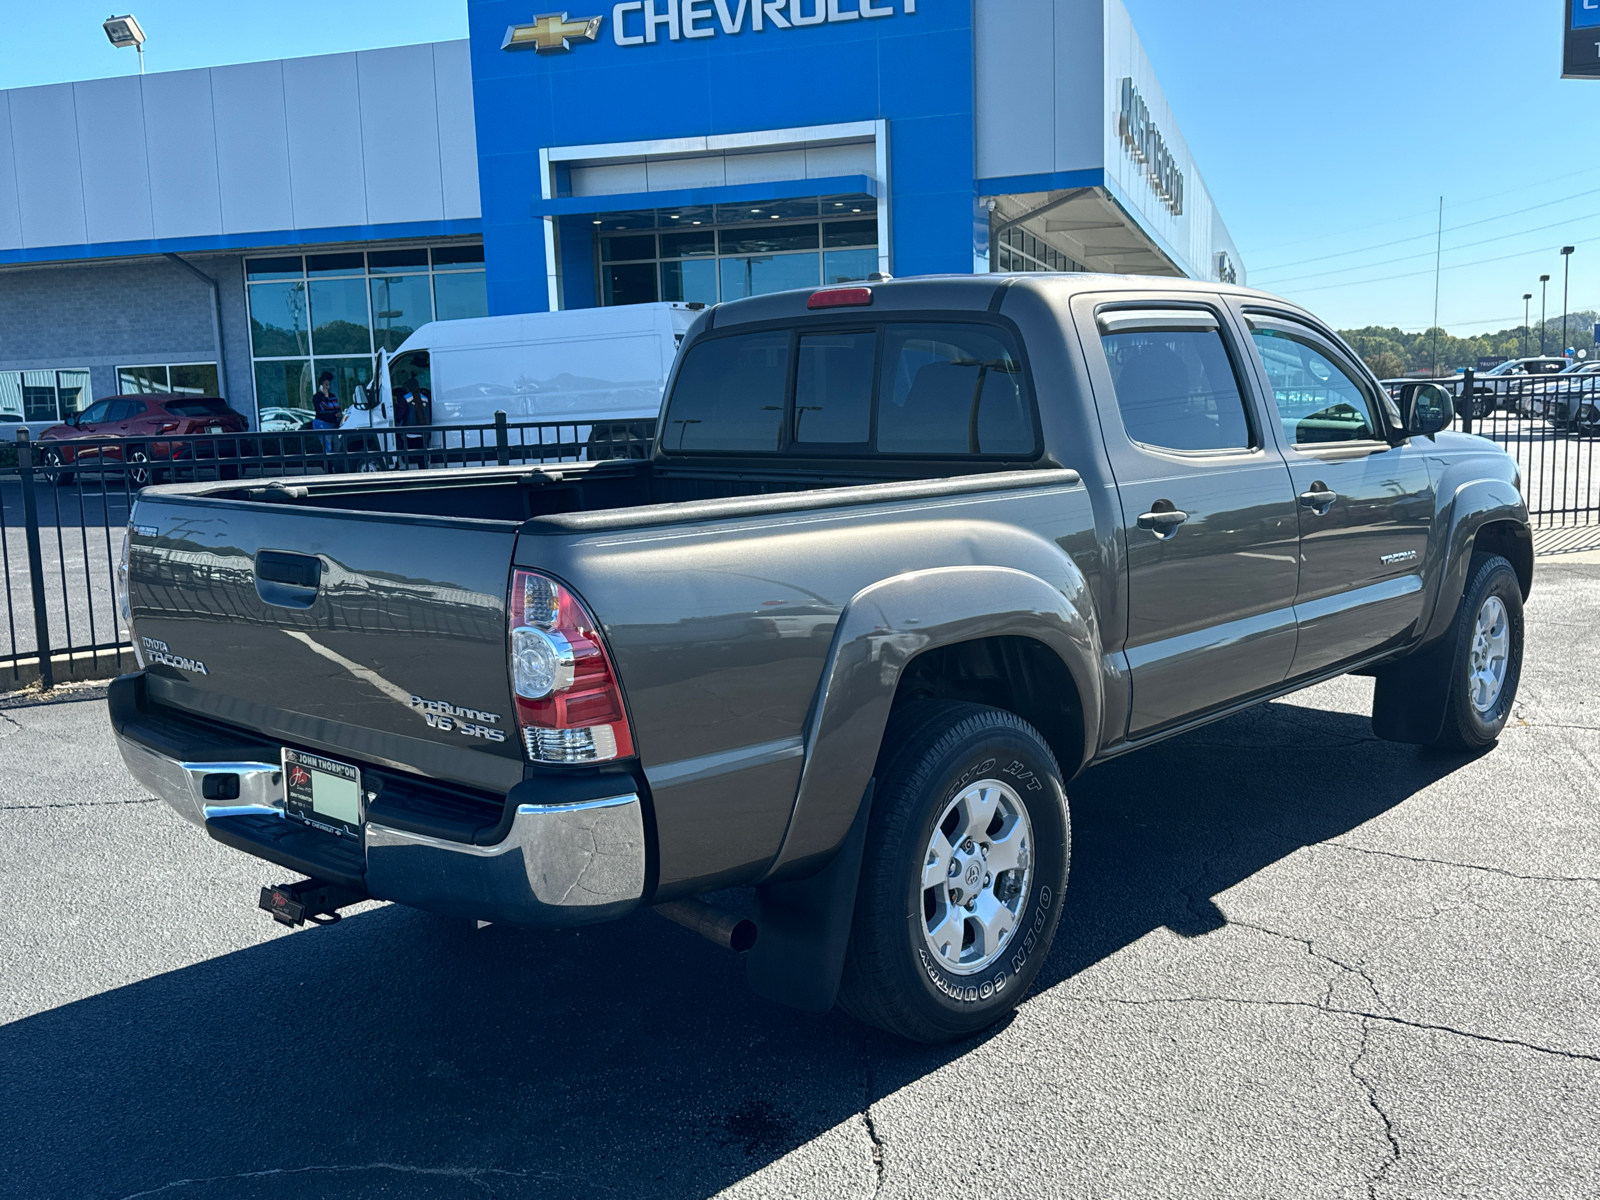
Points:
(975, 135)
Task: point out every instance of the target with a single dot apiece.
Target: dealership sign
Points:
(1146, 146)
(645, 22)
(1580, 57)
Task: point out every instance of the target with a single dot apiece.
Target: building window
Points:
(333, 312)
(730, 251)
(183, 379)
(1017, 250)
(45, 397)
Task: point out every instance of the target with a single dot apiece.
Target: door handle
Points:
(1319, 498)
(1163, 522)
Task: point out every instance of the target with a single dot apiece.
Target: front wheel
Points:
(1486, 656)
(56, 464)
(962, 878)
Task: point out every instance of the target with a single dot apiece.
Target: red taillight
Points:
(168, 426)
(569, 704)
(840, 298)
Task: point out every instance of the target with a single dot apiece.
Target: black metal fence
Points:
(1550, 424)
(64, 506)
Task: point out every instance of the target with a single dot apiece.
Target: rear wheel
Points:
(1486, 656)
(140, 472)
(961, 881)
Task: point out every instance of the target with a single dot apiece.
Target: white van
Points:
(583, 366)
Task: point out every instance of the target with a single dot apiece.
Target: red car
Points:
(132, 421)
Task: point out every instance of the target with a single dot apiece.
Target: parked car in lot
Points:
(285, 420)
(1504, 385)
(904, 560)
(126, 431)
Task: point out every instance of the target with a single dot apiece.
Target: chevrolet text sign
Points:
(1580, 58)
(638, 22)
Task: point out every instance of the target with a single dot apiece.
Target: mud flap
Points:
(1412, 694)
(804, 927)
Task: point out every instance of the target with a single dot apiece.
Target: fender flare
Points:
(882, 629)
(1409, 701)
(1472, 505)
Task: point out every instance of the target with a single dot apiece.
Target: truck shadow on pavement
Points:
(399, 1054)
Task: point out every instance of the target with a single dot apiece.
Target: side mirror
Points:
(1426, 408)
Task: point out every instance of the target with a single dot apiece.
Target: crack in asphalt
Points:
(4, 721)
(1371, 1090)
(1389, 1018)
(1327, 999)
(878, 1164)
(473, 1175)
(1465, 866)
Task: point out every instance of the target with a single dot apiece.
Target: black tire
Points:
(934, 753)
(138, 468)
(54, 463)
(1468, 725)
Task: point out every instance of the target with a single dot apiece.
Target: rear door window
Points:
(1176, 389)
(730, 394)
(952, 390)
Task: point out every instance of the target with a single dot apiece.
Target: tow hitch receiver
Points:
(309, 900)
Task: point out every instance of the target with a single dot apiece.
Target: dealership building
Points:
(239, 230)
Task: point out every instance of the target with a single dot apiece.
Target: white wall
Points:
(1038, 68)
(1048, 81)
(372, 138)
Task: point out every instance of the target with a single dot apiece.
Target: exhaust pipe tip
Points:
(726, 930)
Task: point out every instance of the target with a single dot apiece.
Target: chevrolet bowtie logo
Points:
(551, 33)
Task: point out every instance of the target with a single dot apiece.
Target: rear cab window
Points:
(929, 389)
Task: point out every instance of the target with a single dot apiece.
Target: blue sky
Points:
(1327, 132)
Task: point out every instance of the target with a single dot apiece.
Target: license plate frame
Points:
(336, 805)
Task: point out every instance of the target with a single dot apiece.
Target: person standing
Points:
(326, 414)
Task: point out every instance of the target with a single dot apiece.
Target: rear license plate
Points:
(322, 792)
(213, 428)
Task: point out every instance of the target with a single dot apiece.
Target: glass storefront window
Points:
(324, 309)
(629, 283)
(708, 254)
(386, 262)
(278, 324)
(188, 379)
(758, 275)
(339, 322)
(348, 375)
(349, 263)
(139, 381)
(41, 397)
(847, 266)
(460, 295)
(400, 304)
(286, 267)
(694, 280)
(282, 387)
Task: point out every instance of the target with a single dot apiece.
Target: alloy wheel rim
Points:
(1490, 654)
(975, 877)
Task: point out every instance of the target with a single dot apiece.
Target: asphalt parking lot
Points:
(1294, 962)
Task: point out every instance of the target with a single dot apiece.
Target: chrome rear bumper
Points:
(560, 864)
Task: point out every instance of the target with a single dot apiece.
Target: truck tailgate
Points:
(367, 636)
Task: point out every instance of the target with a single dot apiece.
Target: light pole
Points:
(1527, 298)
(1566, 278)
(1544, 294)
(124, 32)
